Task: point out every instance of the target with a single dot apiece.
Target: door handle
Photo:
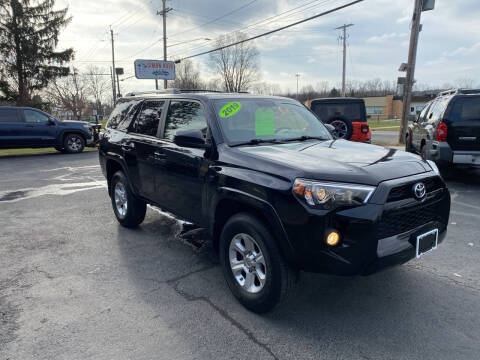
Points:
(128, 146)
(29, 125)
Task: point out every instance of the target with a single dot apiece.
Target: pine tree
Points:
(28, 37)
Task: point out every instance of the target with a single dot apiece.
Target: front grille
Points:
(400, 221)
(405, 191)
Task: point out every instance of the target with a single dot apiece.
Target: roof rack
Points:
(176, 91)
(459, 91)
(164, 91)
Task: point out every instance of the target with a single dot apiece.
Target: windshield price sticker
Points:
(230, 109)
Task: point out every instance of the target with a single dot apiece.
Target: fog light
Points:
(333, 238)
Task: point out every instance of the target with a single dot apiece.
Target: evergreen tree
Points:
(29, 32)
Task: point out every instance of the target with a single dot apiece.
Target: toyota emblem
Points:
(419, 190)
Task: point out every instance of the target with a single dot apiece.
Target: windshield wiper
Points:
(259, 141)
(306, 137)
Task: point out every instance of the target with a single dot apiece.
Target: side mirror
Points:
(330, 127)
(51, 121)
(190, 138)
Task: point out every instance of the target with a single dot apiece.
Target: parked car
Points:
(24, 127)
(276, 192)
(347, 115)
(447, 130)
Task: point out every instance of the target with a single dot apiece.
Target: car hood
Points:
(336, 160)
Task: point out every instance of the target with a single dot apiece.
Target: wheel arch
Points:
(233, 202)
(111, 167)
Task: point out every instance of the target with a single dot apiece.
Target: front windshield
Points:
(244, 120)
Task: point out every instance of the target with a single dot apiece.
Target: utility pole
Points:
(113, 86)
(164, 12)
(297, 75)
(113, 69)
(412, 57)
(118, 83)
(344, 38)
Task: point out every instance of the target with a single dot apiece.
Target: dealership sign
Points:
(154, 69)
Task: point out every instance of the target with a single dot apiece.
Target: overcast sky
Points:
(449, 47)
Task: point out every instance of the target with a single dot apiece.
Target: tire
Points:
(73, 143)
(423, 152)
(129, 210)
(278, 279)
(408, 144)
(343, 128)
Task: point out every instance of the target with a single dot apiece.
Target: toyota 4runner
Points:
(277, 193)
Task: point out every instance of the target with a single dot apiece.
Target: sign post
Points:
(154, 69)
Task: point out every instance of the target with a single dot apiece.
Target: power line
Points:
(194, 28)
(266, 20)
(275, 30)
(216, 19)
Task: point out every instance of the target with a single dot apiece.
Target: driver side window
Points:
(32, 116)
(184, 115)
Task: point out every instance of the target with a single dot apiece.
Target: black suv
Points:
(447, 130)
(25, 127)
(277, 193)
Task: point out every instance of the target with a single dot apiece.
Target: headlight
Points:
(433, 166)
(330, 195)
(86, 126)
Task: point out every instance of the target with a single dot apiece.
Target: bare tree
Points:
(97, 84)
(265, 88)
(187, 76)
(238, 65)
(69, 93)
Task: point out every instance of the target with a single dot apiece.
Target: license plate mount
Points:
(426, 242)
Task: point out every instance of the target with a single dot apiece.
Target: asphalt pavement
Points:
(76, 285)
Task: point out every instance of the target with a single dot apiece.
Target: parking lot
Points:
(76, 285)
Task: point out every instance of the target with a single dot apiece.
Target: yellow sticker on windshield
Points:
(230, 109)
(264, 122)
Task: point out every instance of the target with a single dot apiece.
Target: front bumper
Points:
(374, 236)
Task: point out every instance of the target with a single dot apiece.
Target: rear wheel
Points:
(73, 143)
(252, 265)
(343, 128)
(423, 152)
(129, 210)
(408, 144)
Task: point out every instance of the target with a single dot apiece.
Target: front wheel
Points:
(74, 143)
(129, 210)
(252, 265)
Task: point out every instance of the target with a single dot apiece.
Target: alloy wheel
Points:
(247, 263)
(120, 196)
(74, 143)
(341, 129)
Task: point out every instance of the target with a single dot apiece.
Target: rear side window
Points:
(465, 109)
(148, 119)
(120, 112)
(329, 111)
(9, 115)
(424, 112)
(185, 115)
